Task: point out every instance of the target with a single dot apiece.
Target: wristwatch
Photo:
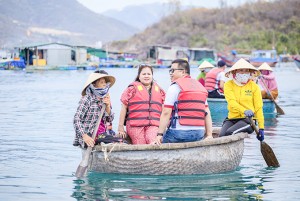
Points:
(160, 134)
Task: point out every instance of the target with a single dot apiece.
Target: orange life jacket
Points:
(211, 80)
(145, 109)
(190, 106)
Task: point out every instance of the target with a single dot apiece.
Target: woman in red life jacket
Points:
(142, 103)
(186, 105)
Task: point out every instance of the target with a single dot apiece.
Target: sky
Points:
(100, 6)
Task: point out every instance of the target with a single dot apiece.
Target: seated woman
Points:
(244, 100)
(204, 68)
(142, 103)
(267, 82)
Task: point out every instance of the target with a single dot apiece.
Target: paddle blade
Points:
(83, 166)
(81, 171)
(278, 109)
(269, 155)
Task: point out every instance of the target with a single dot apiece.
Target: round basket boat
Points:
(219, 105)
(201, 157)
(219, 111)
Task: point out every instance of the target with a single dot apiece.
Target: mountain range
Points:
(25, 22)
(256, 25)
(262, 24)
(145, 15)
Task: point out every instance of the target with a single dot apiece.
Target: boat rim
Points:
(171, 146)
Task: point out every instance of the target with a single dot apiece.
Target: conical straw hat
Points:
(95, 76)
(241, 64)
(205, 64)
(265, 66)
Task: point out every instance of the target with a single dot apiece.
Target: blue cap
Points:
(221, 63)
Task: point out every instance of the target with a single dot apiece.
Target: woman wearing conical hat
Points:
(244, 100)
(94, 95)
(204, 67)
(267, 82)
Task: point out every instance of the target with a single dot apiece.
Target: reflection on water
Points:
(231, 186)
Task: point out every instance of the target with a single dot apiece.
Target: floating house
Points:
(10, 60)
(258, 57)
(52, 54)
(198, 54)
(104, 55)
(164, 55)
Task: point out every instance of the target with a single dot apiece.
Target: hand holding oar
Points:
(278, 109)
(265, 149)
(82, 168)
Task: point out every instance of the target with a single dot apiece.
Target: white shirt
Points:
(220, 77)
(171, 98)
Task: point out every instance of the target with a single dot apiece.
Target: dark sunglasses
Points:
(172, 70)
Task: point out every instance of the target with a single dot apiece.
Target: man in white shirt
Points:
(186, 106)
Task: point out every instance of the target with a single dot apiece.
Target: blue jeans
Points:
(173, 136)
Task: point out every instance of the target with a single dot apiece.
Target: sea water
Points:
(38, 161)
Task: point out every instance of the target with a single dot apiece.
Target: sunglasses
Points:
(144, 65)
(172, 70)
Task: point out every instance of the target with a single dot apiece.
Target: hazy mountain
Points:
(143, 16)
(67, 21)
(140, 16)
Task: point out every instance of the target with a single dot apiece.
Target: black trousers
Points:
(233, 126)
(215, 94)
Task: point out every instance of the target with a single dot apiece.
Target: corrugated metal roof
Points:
(41, 44)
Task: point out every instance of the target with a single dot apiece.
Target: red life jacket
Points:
(190, 106)
(211, 80)
(145, 109)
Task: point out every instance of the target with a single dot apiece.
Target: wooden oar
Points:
(265, 149)
(278, 109)
(82, 167)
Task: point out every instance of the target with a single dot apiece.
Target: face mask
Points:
(100, 92)
(205, 70)
(265, 72)
(242, 78)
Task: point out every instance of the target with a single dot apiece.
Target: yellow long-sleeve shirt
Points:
(241, 98)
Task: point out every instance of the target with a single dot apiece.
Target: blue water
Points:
(38, 161)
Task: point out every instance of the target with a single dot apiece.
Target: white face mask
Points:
(242, 78)
(207, 70)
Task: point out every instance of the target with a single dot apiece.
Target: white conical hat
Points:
(205, 64)
(241, 64)
(95, 76)
(265, 66)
